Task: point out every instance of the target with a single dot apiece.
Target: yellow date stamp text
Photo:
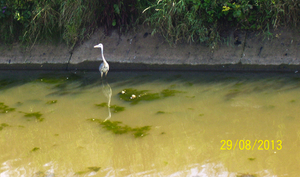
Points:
(251, 145)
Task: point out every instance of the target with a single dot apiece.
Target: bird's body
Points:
(104, 67)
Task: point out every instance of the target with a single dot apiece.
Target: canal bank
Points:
(139, 50)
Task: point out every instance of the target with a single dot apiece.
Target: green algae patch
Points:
(116, 127)
(35, 149)
(5, 82)
(163, 112)
(169, 92)
(141, 131)
(5, 109)
(135, 96)
(55, 78)
(119, 128)
(51, 102)
(95, 169)
(37, 115)
(115, 108)
(3, 125)
(89, 169)
(101, 105)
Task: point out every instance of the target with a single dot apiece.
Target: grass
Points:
(73, 21)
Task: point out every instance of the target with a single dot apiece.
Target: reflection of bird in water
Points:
(104, 67)
(107, 92)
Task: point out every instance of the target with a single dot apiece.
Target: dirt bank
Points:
(240, 50)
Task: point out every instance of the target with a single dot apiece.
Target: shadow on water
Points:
(239, 83)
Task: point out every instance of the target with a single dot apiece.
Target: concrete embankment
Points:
(240, 51)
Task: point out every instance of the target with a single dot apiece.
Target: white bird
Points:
(104, 67)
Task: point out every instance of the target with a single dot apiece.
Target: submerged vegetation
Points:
(3, 125)
(89, 169)
(5, 109)
(115, 108)
(37, 115)
(118, 127)
(135, 96)
(51, 102)
(73, 21)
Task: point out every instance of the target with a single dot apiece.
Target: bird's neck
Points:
(103, 56)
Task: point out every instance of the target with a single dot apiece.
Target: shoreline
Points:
(138, 51)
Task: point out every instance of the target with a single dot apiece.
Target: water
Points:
(190, 124)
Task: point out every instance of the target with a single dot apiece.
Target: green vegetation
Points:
(73, 21)
(5, 109)
(51, 102)
(160, 112)
(3, 125)
(37, 115)
(114, 107)
(89, 169)
(35, 149)
(118, 128)
(135, 96)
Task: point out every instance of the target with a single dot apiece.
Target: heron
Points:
(104, 67)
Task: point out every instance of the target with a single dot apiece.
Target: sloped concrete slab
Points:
(140, 47)
(231, 49)
(40, 55)
(280, 48)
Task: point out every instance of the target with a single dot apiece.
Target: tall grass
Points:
(73, 21)
(202, 20)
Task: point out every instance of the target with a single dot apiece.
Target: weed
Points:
(37, 115)
(5, 109)
(118, 127)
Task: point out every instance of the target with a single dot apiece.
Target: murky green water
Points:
(149, 124)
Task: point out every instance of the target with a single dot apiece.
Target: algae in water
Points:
(115, 108)
(89, 169)
(135, 96)
(37, 115)
(5, 109)
(118, 127)
(51, 102)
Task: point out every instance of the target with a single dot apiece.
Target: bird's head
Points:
(99, 46)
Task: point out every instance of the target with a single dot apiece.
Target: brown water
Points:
(198, 124)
